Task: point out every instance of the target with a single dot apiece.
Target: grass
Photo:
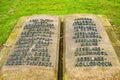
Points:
(12, 10)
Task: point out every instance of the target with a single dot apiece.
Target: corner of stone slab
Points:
(3, 75)
(103, 16)
(21, 20)
(117, 76)
(104, 20)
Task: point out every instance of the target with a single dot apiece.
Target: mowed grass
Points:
(12, 10)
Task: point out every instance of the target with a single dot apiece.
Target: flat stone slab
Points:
(34, 55)
(88, 52)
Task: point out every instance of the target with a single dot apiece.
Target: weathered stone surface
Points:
(112, 34)
(34, 55)
(88, 52)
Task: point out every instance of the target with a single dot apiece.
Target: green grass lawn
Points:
(12, 10)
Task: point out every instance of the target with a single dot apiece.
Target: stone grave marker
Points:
(34, 56)
(88, 52)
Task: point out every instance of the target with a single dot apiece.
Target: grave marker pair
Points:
(87, 50)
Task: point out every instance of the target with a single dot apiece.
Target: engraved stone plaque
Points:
(36, 50)
(88, 52)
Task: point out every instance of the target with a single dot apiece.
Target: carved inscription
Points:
(31, 47)
(87, 36)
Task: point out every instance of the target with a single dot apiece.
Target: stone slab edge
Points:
(9, 42)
